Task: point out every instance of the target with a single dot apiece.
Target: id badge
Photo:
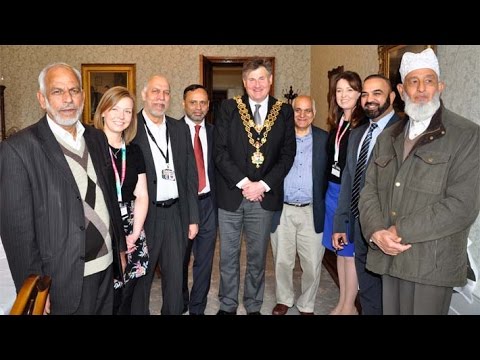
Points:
(168, 174)
(336, 170)
(123, 210)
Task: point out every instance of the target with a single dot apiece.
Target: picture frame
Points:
(389, 58)
(97, 78)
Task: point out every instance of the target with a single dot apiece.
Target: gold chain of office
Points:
(248, 123)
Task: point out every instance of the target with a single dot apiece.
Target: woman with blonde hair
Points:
(116, 116)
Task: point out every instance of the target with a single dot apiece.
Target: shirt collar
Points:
(382, 123)
(150, 122)
(264, 103)
(64, 134)
(191, 123)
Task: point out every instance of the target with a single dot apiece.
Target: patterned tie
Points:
(360, 169)
(256, 115)
(197, 148)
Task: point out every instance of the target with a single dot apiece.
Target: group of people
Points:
(99, 209)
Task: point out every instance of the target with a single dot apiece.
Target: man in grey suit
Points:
(377, 101)
(172, 189)
(58, 209)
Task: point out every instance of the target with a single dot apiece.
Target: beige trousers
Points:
(296, 234)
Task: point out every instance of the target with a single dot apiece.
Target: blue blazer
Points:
(343, 216)
(319, 163)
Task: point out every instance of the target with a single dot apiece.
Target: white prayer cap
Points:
(424, 60)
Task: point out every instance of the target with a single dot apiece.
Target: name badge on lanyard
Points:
(338, 138)
(336, 170)
(123, 210)
(168, 174)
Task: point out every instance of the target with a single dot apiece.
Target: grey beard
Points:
(421, 112)
(61, 121)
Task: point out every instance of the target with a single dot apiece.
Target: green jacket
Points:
(432, 197)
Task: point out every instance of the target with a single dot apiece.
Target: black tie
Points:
(360, 169)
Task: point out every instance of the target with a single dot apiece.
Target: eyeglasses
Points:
(306, 111)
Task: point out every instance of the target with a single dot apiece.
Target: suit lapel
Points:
(54, 152)
(315, 151)
(97, 159)
(173, 140)
(142, 141)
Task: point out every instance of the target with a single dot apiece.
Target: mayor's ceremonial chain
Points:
(257, 157)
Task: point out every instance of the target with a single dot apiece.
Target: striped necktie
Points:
(360, 169)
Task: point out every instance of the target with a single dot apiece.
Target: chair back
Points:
(32, 296)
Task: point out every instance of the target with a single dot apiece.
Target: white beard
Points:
(59, 119)
(421, 112)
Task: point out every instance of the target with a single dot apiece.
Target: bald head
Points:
(304, 112)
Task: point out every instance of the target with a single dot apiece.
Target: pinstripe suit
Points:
(42, 220)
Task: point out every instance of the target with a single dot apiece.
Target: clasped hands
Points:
(253, 191)
(389, 242)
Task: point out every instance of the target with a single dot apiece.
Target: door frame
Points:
(206, 71)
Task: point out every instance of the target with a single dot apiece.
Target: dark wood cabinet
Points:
(2, 112)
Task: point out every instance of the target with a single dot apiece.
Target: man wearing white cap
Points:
(421, 196)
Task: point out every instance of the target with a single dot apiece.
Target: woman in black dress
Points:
(116, 116)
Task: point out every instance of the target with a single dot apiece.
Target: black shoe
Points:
(223, 312)
(197, 314)
(254, 313)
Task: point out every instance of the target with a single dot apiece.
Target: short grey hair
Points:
(46, 69)
(311, 98)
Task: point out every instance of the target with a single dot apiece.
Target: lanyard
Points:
(338, 139)
(166, 157)
(118, 182)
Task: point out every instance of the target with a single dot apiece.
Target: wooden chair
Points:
(32, 296)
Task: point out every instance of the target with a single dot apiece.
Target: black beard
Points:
(373, 114)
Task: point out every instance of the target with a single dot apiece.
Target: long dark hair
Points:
(335, 111)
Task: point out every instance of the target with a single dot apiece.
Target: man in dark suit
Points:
(298, 227)
(172, 189)
(377, 101)
(58, 209)
(195, 104)
(254, 150)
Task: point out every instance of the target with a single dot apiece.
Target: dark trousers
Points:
(203, 247)
(403, 297)
(97, 294)
(122, 304)
(370, 284)
(166, 248)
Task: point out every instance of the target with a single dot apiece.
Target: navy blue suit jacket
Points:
(344, 218)
(319, 163)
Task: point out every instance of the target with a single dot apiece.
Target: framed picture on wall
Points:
(389, 58)
(98, 78)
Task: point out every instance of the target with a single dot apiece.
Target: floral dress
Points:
(137, 260)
